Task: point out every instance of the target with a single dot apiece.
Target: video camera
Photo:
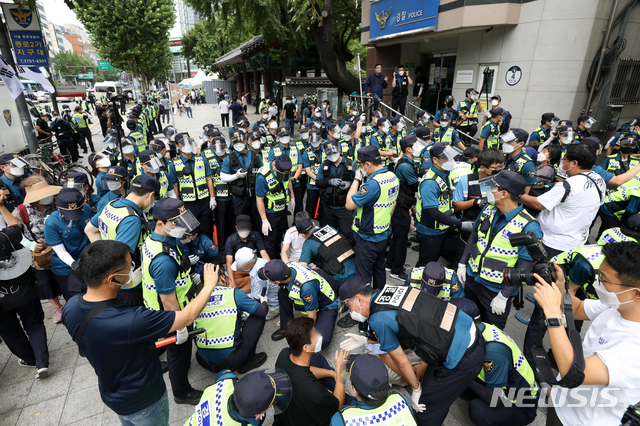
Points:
(515, 277)
(488, 72)
(631, 416)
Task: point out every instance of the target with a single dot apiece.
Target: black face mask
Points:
(627, 150)
(449, 104)
(281, 177)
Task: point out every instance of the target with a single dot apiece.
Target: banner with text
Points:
(391, 18)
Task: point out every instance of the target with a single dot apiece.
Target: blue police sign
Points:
(22, 17)
(30, 49)
(390, 18)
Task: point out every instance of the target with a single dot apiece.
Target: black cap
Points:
(634, 222)
(368, 153)
(131, 124)
(497, 97)
(433, 275)
(305, 127)
(423, 133)
(243, 221)
(565, 123)
(237, 136)
(466, 92)
(70, 204)
(583, 118)
(510, 181)
(253, 394)
(10, 238)
(368, 373)
(146, 155)
(418, 123)
(351, 287)
(146, 182)
(117, 172)
(282, 131)
(77, 177)
(274, 270)
(408, 141)
(496, 112)
(438, 149)
(548, 116)
(157, 145)
(92, 157)
(283, 164)
(381, 120)
(395, 120)
(5, 158)
(331, 127)
(421, 113)
(304, 225)
(211, 131)
(471, 152)
(467, 306)
(183, 136)
(167, 208)
(521, 135)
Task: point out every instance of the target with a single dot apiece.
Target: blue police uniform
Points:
(456, 289)
(337, 216)
(313, 191)
(462, 191)
(130, 227)
(527, 171)
(454, 114)
(202, 247)
(14, 186)
(100, 185)
(337, 419)
(455, 138)
(535, 136)
(106, 199)
(367, 198)
(376, 138)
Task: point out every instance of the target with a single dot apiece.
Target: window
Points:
(491, 82)
(626, 84)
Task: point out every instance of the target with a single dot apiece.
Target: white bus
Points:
(101, 89)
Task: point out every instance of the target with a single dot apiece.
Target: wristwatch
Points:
(556, 322)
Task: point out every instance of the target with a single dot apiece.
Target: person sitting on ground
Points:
(243, 237)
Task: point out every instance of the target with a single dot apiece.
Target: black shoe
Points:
(192, 397)
(84, 152)
(80, 156)
(346, 322)
(277, 335)
(416, 248)
(414, 239)
(164, 365)
(401, 276)
(254, 362)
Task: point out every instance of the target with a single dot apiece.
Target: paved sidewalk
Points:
(70, 395)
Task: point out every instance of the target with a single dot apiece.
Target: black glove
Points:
(481, 203)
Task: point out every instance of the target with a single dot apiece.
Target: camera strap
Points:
(543, 371)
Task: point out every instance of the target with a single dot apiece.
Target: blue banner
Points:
(30, 48)
(391, 18)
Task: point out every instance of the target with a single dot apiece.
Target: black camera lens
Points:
(518, 277)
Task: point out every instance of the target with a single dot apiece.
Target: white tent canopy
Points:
(195, 81)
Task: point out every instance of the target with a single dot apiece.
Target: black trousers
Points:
(482, 297)
(225, 120)
(69, 147)
(481, 414)
(430, 248)
(471, 131)
(32, 349)
(335, 284)
(340, 219)
(70, 285)
(325, 320)
(179, 359)
(247, 206)
(85, 133)
(312, 202)
(399, 104)
(158, 124)
(200, 209)
(370, 261)
(442, 386)
(400, 225)
(251, 332)
(224, 222)
(607, 222)
(273, 239)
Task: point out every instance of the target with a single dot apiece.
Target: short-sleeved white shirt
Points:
(224, 107)
(296, 240)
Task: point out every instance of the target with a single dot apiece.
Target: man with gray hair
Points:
(247, 259)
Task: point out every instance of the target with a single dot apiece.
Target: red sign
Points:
(175, 42)
(70, 91)
(193, 73)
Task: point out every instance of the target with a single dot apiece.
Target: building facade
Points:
(76, 43)
(181, 68)
(542, 53)
(48, 30)
(77, 30)
(187, 17)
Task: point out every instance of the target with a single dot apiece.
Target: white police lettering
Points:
(325, 233)
(392, 295)
(203, 413)
(215, 300)
(403, 16)
(595, 397)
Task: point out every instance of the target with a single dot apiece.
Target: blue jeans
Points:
(154, 415)
(289, 124)
(189, 113)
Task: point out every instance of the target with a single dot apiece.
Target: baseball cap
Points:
(470, 90)
(471, 152)
(438, 149)
(368, 153)
(497, 97)
(520, 134)
(282, 131)
(634, 222)
(423, 133)
(146, 182)
(117, 172)
(496, 112)
(421, 113)
(467, 306)
(70, 203)
(351, 287)
(548, 116)
(408, 141)
(274, 270)
(242, 257)
(512, 182)
(304, 225)
(243, 221)
(368, 373)
(433, 275)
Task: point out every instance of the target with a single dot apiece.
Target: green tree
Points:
(63, 60)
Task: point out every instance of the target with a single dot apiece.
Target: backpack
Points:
(506, 122)
(161, 109)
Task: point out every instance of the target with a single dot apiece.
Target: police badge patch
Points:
(7, 116)
(363, 191)
(488, 366)
(308, 298)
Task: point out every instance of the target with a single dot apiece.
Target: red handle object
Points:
(169, 340)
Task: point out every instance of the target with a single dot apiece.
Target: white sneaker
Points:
(42, 373)
(273, 312)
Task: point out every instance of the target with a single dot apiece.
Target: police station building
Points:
(544, 54)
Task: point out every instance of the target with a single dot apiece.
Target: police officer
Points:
(543, 133)
(334, 180)
(80, 181)
(374, 202)
(423, 158)
(100, 163)
(393, 136)
(350, 133)
(117, 182)
(81, 119)
(283, 148)
(490, 133)
(167, 286)
(264, 118)
(303, 143)
(200, 250)
(244, 402)
(304, 290)
(468, 114)
(434, 207)
(503, 368)
(190, 175)
(273, 194)
(516, 159)
(312, 159)
(407, 171)
(436, 280)
(446, 340)
(584, 124)
(489, 251)
(621, 162)
(421, 120)
(150, 164)
(215, 152)
(370, 383)
(379, 140)
(271, 134)
(630, 231)
(229, 343)
(449, 101)
(139, 140)
(64, 136)
(401, 82)
(13, 168)
(128, 157)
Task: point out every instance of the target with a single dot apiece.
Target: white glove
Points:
(194, 259)
(182, 336)
(487, 113)
(263, 299)
(467, 226)
(196, 280)
(292, 204)
(212, 203)
(360, 174)
(240, 174)
(137, 277)
(266, 227)
(415, 398)
(462, 273)
(395, 160)
(354, 341)
(499, 304)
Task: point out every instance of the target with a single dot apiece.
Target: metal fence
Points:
(626, 84)
(211, 95)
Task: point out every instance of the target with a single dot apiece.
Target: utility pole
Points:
(21, 103)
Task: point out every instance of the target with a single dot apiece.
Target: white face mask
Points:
(265, 116)
(185, 240)
(304, 135)
(494, 102)
(239, 146)
(244, 234)
(284, 140)
(608, 298)
(507, 148)
(151, 203)
(566, 170)
(587, 125)
(357, 316)
(177, 232)
(316, 144)
(491, 199)
(473, 97)
(128, 149)
(273, 125)
(399, 126)
(113, 185)
(324, 106)
(566, 139)
(46, 200)
(17, 171)
(333, 157)
(444, 123)
(187, 149)
(448, 165)
(542, 158)
(318, 346)
(400, 73)
(153, 170)
(385, 128)
(318, 114)
(103, 162)
(347, 137)
(111, 145)
(220, 151)
(128, 283)
(255, 144)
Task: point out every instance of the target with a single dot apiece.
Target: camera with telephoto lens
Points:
(515, 277)
(631, 417)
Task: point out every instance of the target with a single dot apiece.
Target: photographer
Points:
(489, 251)
(611, 344)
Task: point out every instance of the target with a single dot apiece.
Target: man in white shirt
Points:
(293, 241)
(224, 112)
(247, 259)
(565, 218)
(611, 345)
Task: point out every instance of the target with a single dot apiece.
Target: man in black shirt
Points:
(419, 89)
(43, 130)
(311, 376)
(289, 114)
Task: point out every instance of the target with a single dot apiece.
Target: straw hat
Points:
(39, 191)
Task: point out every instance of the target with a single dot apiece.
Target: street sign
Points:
(85, 76)
(105, 65)
(70, 90)
(20, 19)
(24, 30)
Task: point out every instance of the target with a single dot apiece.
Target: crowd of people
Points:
(204, 242)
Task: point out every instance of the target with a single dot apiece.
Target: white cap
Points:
(243, 256)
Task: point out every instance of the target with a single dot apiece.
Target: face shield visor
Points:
(315, 139)
(401, 124)
(445, 119)
(331, 149)
(567, 136)
(283, 389)
(418, 146)
(347, 132)
(219, 146)
(281, 175)
(170, 133)
(187, 146)
(186, 220)
(110, 141)
(153, 165)
(554, 123)
(590, 122)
